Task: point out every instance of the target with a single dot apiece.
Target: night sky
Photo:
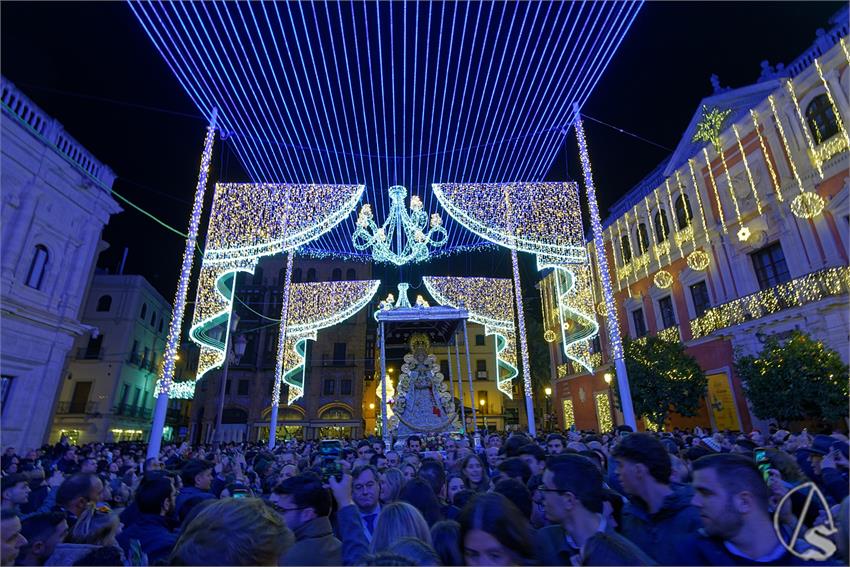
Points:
(91, 66)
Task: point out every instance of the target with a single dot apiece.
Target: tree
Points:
(795, 379)
(662, 378)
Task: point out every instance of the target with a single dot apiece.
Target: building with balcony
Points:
(107, 390)
(56, 201)
(739, 235)
(338, 362)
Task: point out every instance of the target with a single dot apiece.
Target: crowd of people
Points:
(622, 498)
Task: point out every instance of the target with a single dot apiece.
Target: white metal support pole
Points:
(175, 328)
(228, 337)
(385, 429)
(451, 373)
(469, 378)
(523, 346)
(460, 384)
(281, 350)
(614, 339)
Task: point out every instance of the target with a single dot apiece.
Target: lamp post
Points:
(608, 378)
(482, 403)
(548, 392)
(234, 352)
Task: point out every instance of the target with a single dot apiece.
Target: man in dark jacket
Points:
(197, 478)
(305, 505)
(155, 500)
(574, 492)
(659, 513)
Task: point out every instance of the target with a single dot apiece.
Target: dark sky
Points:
(90, 66)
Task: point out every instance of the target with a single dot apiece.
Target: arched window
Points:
(159, 329)
(144, 312)
(336, 275)
(683, 211)
(104, 303)
(153, 318)
(662, 228)
(336, 413)
(296, 275)
(38, 266)
(821, 118)
(311, 275)
(642, 238)
(626, 247)
(350, 274)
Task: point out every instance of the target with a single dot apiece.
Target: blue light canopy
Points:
(389, 93)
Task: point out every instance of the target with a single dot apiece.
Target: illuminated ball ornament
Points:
(698, 260)
(807, 205)
(601, 310)
(550, 336)
(663, 279)
(744, 234)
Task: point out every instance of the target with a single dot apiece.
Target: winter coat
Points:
(188, 492)
(70, 553)
(315, 544)
(657, 533)
(700, 549)
(604, 548)
(153, 535)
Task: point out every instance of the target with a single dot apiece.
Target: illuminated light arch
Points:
(489, 302)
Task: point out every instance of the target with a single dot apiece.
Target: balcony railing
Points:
(128, 410)
(807, 289)
(670, 334)
(77, 408)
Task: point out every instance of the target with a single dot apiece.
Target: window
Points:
(350, 274)
(668, 316)
(479, 340)
(626, 247)
(699, 294)
(153, 318)
(683, 211)
(662, 228)
(339, 354)
(311, 275)
(80, 397)
(328, 389)
(37, 267)
(345, 387)
(340, 414)
(640, 324)
(243, 388)
(159, 327)
(481, 369)
(134, 353)
(5, 389)
(821, 119)
(137, 397)
(144, 312)
(482, 397)
(336, 275)
(145, 357)
(769, 264)
(104, 303)
(93, 347)
(296, 275)
(642, 239)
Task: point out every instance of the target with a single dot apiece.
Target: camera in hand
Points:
(330, 450)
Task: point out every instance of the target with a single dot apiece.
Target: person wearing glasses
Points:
(573, 496)
(305, 505)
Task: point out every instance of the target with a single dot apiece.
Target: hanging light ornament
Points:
(807, 205)
(663, 279)
(698, 260)
(402, 238)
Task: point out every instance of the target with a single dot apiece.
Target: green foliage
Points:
(794, 380)
(662, 378)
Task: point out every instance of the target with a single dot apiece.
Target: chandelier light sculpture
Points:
(403, 237)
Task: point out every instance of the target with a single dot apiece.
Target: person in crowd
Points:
(88, 466)
(517, 493)
(434, 473)
(658, 512)
(534, 456)
(494, 532)
(14, 491)
(416, 551)
(733, 502)
(473, 471)
(305, 505)
(494, 456)
(234, 531)
(392, 481)
(414, 444)
(555, 444)
(155, 499)
(398, 520)
(68, 463)
(43, 533)
(419, 494)
(393, 459)
(197, 478)
(378, 461)
(515, 468)
(366, 490)
(11, 539)
(97, 527)
(76, 493)
(829, 462)
(365, 452)
(573, 496)
(445, 537)
(409, 471)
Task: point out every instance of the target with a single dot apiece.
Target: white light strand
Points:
(832, 103)
(714, 187)
(698, 193)
(777, 190)
(280, 366)
(673, 214)
(789, 84)
(523, 345)
(747, 167)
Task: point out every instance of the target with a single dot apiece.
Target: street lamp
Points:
(608, 378)
(234, 353)
(482, 403)
(546, 418)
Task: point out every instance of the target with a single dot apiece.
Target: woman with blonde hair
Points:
(96, 526)
(392, 481)
(398, 520)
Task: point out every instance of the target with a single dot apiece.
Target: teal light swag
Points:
(540, 218)
(312, 307)
(489, 302)
(249, 221)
